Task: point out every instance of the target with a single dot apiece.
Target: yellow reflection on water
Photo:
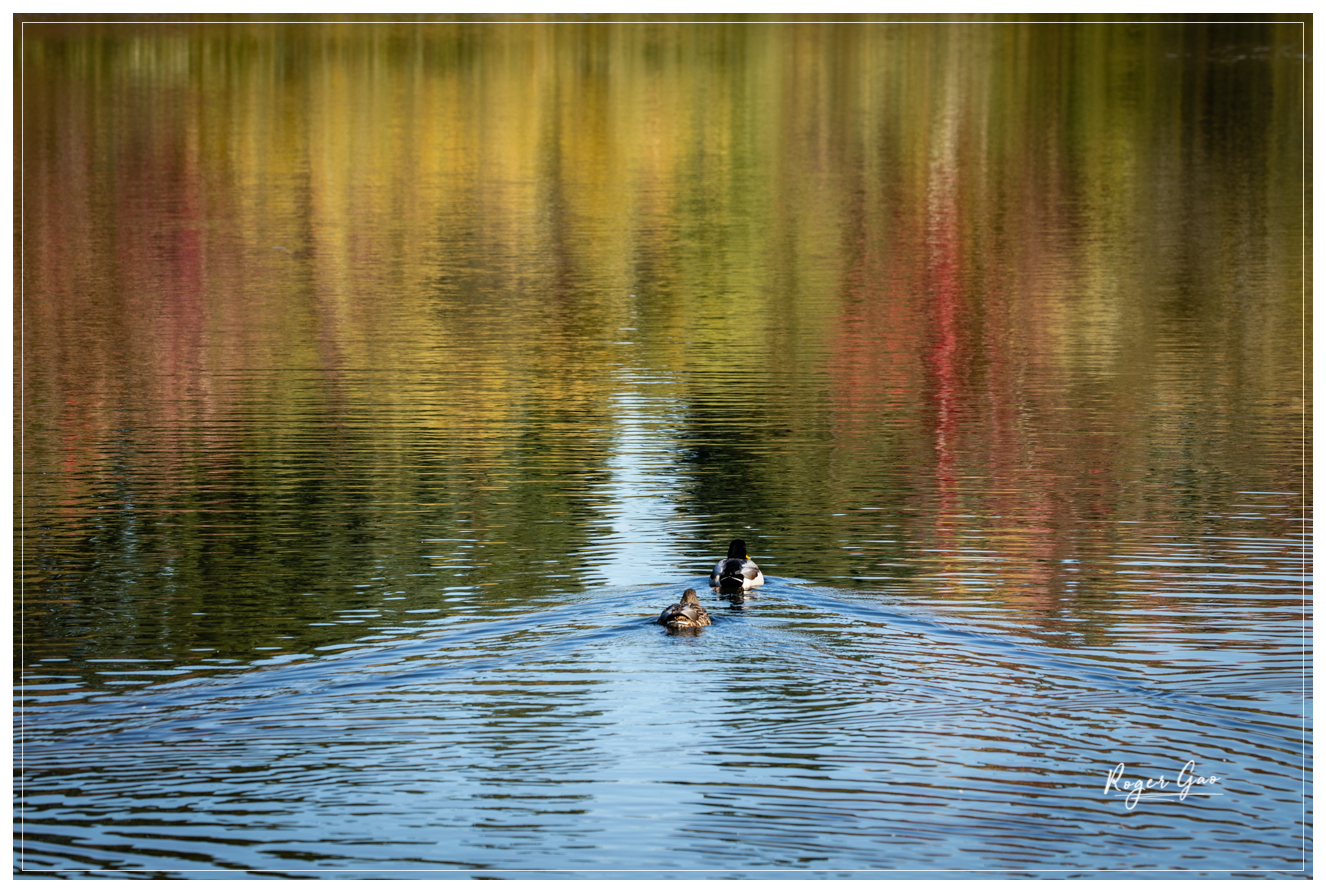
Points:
(999, 269)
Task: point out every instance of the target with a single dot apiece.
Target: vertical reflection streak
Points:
(944, 282)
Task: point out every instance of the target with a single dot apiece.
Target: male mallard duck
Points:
(736, 571)
(688, 614)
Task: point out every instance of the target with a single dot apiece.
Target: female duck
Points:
(689, 614)
(736, 571)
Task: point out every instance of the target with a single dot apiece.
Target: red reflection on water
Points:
(942, 276)
(943, 283)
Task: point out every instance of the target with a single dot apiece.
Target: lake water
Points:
(377, 385)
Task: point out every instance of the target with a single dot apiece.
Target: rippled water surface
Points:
(377, 385)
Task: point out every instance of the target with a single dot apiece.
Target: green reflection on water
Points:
(318, 315)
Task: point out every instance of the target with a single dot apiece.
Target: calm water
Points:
(376, 386)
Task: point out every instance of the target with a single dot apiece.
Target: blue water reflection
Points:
(811, 729)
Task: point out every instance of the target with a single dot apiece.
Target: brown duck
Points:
(688, 614)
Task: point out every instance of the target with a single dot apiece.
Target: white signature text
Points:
(1135, 790)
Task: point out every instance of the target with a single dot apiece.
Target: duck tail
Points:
(730, 576)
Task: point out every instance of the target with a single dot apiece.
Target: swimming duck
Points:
(688, 614)
(736, 571)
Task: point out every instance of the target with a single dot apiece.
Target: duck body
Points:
(736, 571)
(687, 614)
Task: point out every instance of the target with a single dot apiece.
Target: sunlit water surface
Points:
(378, 386)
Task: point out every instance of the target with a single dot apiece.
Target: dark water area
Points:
(376, 386)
